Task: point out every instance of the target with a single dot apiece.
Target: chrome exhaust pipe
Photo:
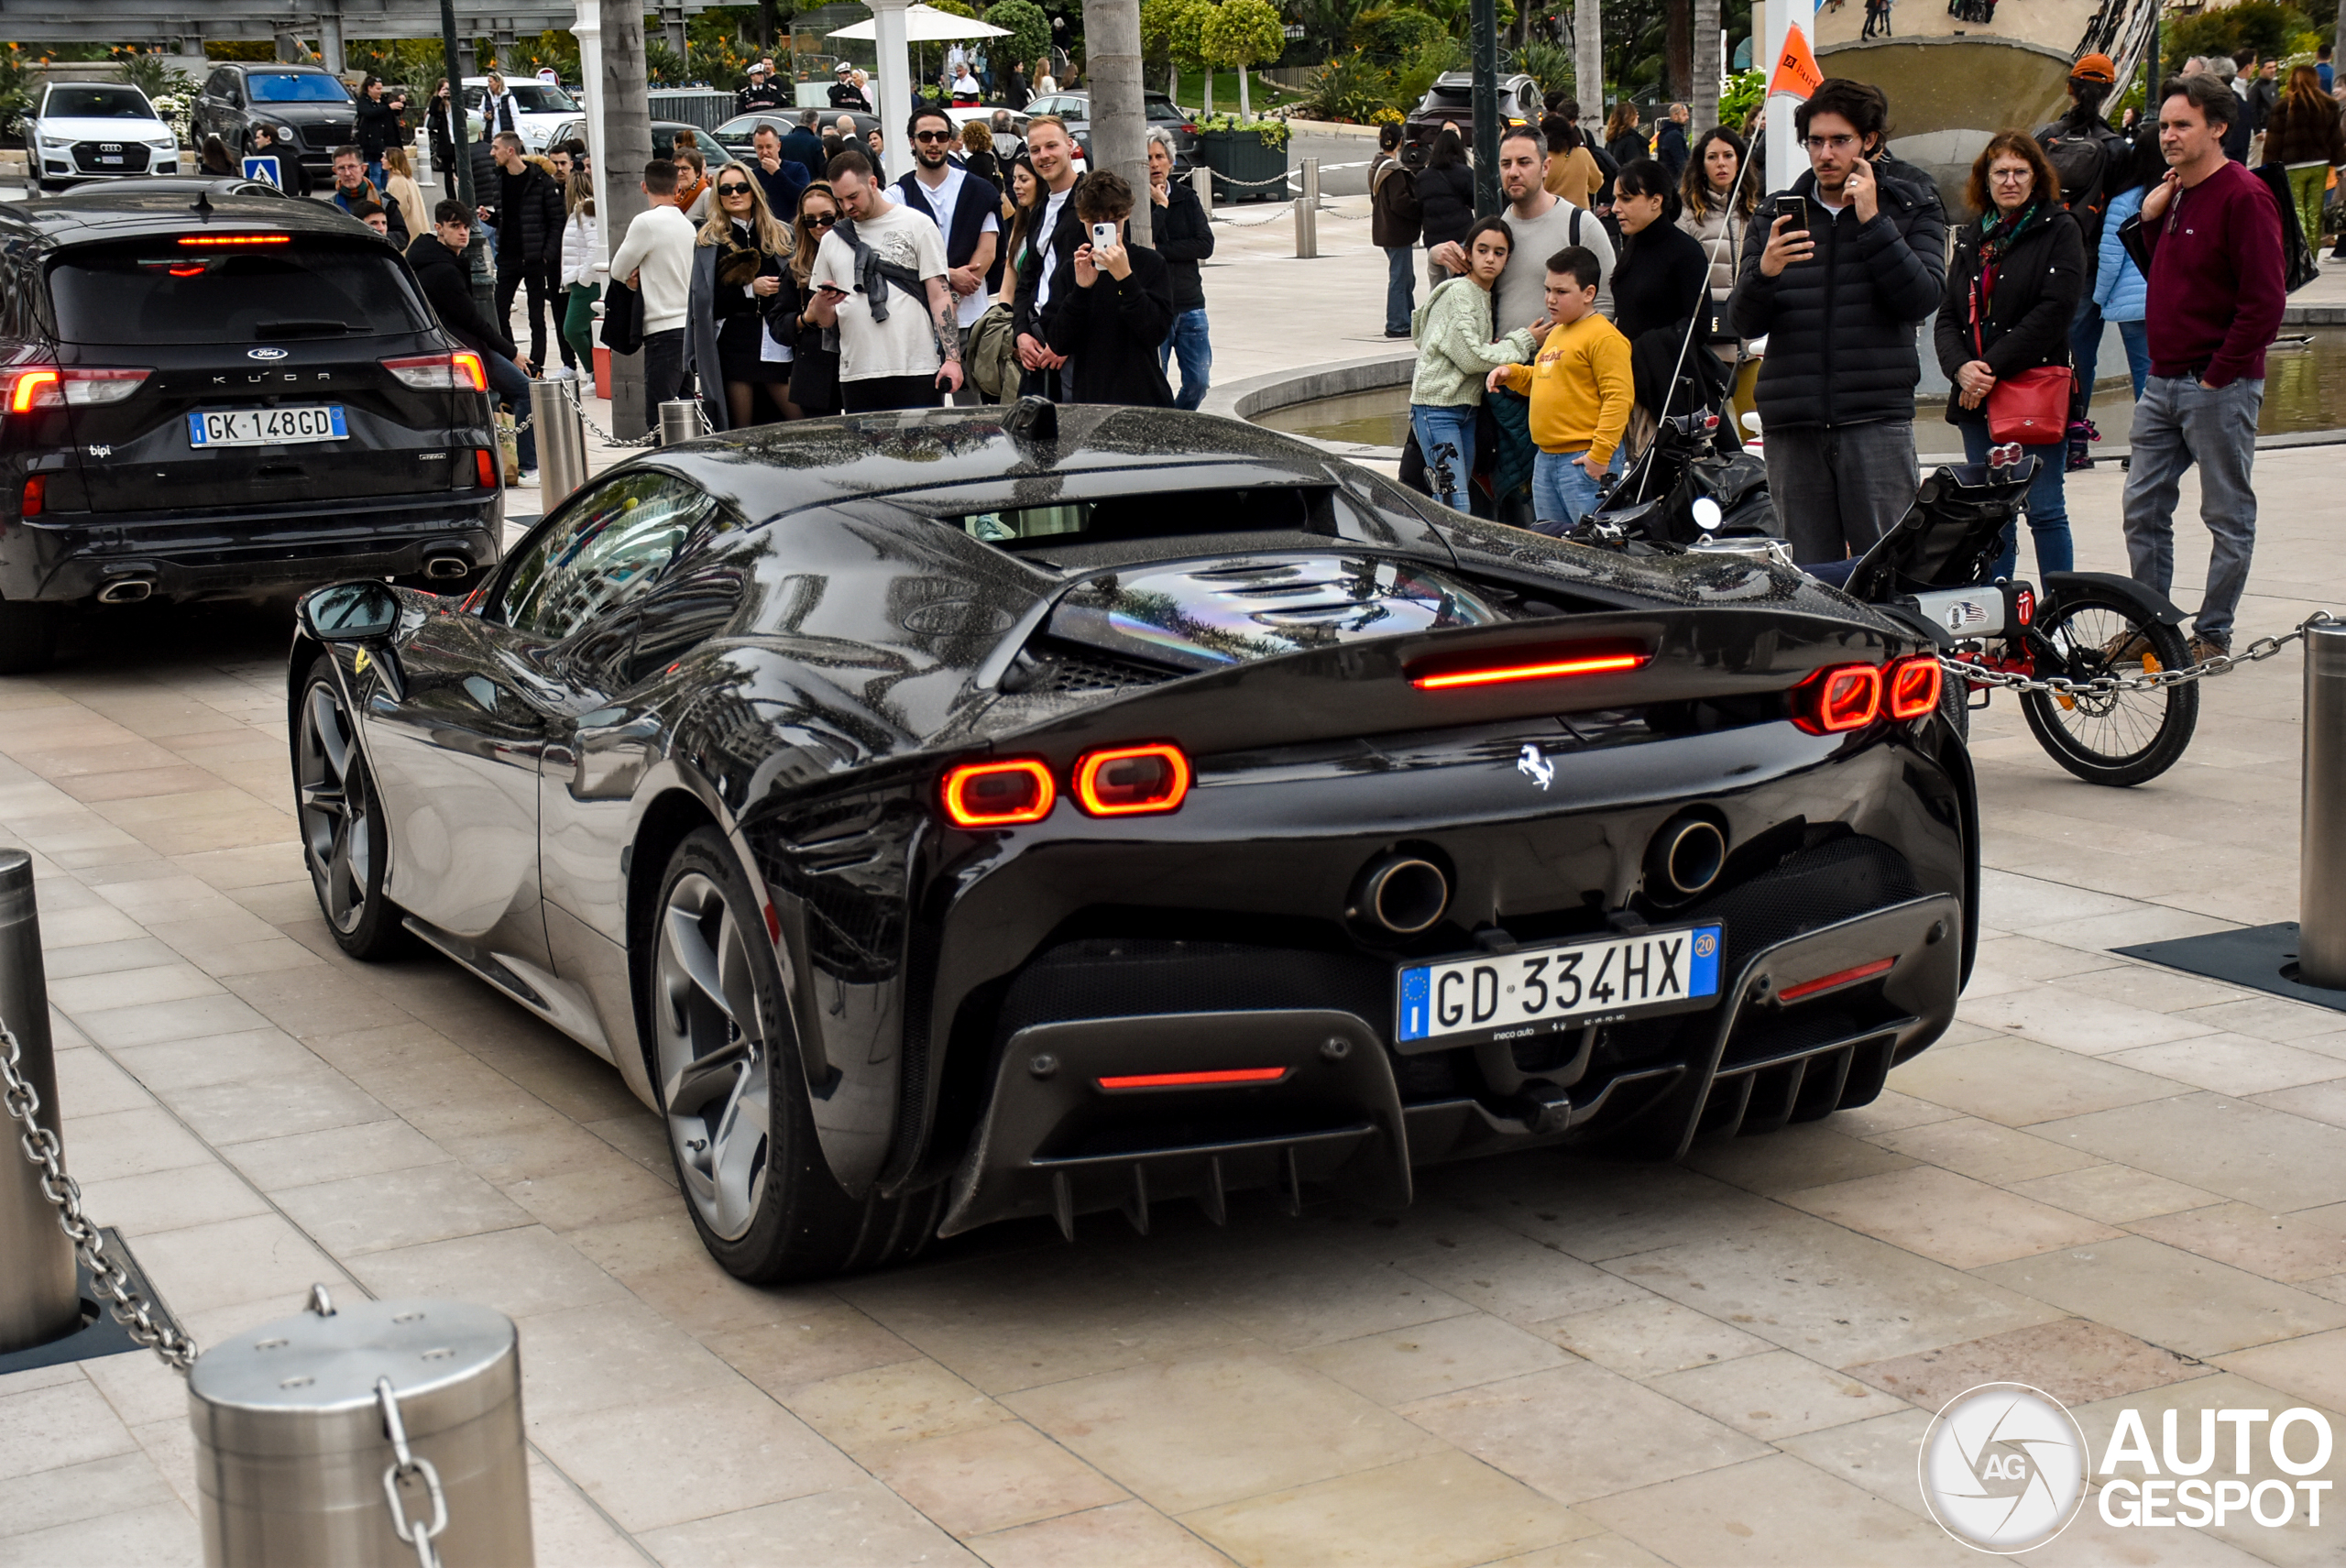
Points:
(1684, 859)
(127, 590)
(1400, 894)
(441, 568)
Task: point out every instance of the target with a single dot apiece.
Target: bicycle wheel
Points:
(2123, 738)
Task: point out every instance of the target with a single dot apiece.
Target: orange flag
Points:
(1796, 73)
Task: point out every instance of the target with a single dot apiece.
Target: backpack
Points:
(2087, 162)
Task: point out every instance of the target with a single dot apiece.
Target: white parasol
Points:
(926, 24)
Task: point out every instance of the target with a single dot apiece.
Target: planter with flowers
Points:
(1248, 157)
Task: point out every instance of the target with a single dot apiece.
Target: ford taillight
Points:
(459, 372)
(33, 387)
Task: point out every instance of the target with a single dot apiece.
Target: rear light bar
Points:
(214, 240)
(35, 387)
(1000, 794)
(1913, 687)
(1834, 982)
(1195, 1079)
(1848, 696)
(1132, 780)
(36, 496)
(459, 372)
(1559, 664)
(485, 468)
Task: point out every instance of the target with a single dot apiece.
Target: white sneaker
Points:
(562, 373)
(529, 480)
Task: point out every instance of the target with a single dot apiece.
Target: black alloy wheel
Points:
(343, 839)
(723, 1054)
(2121, 738)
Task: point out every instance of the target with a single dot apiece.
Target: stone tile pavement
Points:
(2123, 1185)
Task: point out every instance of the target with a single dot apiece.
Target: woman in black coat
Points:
(1661, 277)
(441, 127)
(1445, 199)
(377, 128)
(2013, 286)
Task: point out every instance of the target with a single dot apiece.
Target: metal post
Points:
(2321, 853)
(1311, 182)
(679, 421)
(39, 1299)
(1307, 228)
(311, 1431)
(1483, 23)
(562, 440)
(1201, 181)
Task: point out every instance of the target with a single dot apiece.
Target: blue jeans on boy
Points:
(1400, 287)
(2046, 502)
(1188, 339)
(1446, 424)
(1561, 490)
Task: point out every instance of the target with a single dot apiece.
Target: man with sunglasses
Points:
(1855, 260)
(965, 208)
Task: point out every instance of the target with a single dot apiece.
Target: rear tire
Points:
(28, 637)
(727, 1073)
(345, 840)
(2128, 737)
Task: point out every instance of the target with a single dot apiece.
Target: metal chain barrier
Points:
(405, 1465)
(2108, 685)
(650, 438)
(40, 1145)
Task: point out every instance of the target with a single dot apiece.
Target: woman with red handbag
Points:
(2003, 331)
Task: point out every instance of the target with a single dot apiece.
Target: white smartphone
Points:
(1103, 234)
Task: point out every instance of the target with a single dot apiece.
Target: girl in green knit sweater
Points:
(1452, 331)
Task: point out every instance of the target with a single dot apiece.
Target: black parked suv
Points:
(206, 396)
(307, 100)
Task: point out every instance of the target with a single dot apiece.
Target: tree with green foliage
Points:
(1164, 37)
(2265, 26)
(1029, 29)
(1185, 35)
(1240, 33)
(1389, 34)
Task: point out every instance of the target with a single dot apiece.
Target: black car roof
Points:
(276, 68)
(101, 213)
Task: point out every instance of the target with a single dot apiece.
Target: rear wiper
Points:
(300, 329)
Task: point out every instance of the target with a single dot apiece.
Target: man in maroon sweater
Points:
(2216, 291)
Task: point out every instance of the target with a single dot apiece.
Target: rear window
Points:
(97, 104)
(1262, 508)
(295, 87)
(1163, 110)
(156, 291)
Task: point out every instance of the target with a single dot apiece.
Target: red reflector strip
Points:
(236, 239)
(1846, 977)
(1594, 665)
(1195, 1079)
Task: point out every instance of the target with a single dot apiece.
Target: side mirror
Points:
(351, 613)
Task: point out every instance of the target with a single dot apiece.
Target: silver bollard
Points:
(1307, 228)
(2321, 852)
(40, 1301)
(679, 421)
(1201, 181)
(321, 1437)
(561, 440)
(1312, 181)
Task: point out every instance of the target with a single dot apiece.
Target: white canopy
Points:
(926, 24)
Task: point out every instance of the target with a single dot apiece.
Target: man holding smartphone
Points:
(1854, 261)
(880, 278)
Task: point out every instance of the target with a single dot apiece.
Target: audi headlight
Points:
(165, 143)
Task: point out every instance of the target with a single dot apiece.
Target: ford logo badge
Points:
(265, 353)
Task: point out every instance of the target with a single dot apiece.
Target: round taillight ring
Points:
(999, 794)
(1131, 780)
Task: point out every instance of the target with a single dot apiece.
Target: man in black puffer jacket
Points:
(1839, 310)
(528, 217)
(438, 261)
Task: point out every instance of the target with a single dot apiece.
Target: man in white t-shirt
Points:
(880, 276)
(966, 210)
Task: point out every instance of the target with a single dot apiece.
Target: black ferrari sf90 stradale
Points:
(947, 817)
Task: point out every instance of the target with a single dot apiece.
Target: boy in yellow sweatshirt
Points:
(1581, 391)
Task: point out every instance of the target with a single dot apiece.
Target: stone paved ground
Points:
(2119, 1183)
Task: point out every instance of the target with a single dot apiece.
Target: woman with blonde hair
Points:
(813, 388)
(739, 258)
(575, 278)
(2303, 135)
(398, 184)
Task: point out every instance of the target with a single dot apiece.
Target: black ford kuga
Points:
(209, 397)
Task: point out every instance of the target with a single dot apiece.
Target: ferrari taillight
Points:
(999, 795)
(1848, 696)
(1913, 687)
(1131, 780)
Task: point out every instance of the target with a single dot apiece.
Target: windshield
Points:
(737, 133)
(1164, 109)
(295, 87)
(97, 104)
(145, 292)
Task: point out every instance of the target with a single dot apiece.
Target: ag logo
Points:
(2003, 1468)
(266, 353)
(1533, 766)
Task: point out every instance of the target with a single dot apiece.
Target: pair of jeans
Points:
(1188, 339)
(1837, 488)
(513, 387)
(2048, 505)
(663, 372)
(532, 275)
(874, 393)
(2179, 423)
(1446, 424)
(2084, 357)
(2136, 336)
(1400, 288)
(1561, 490)
(578, 327)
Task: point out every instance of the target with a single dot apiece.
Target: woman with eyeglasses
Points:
(2018, 272)
(739, 260)
(813, 388)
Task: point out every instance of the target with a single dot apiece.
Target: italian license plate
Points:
(1558, 986)
(266, 427)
